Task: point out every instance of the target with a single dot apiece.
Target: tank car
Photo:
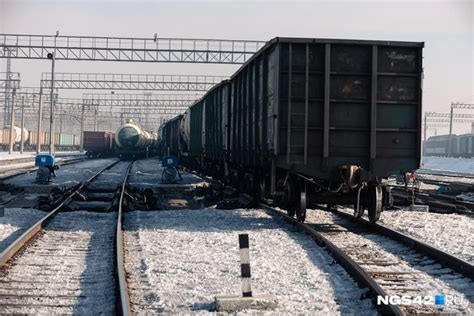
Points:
(132, 141)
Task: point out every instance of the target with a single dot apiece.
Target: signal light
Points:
(50, 55)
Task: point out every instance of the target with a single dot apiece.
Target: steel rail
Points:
(360, 275)
(27, 236)
(121, 275)
(446, 259)
(445, 173)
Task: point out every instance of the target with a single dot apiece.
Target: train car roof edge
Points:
(301, 40)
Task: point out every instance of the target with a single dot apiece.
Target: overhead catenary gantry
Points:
(147, 109)
(155, 49)
(116, 81)
(9, 80)
(437, 119)
(456, 105)
(124, 49)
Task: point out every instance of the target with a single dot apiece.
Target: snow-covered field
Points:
(178, 261)
(68, 269)
(452, 233)
(4, 155)
(459, 165)
(15, 222)
(68, 175)
(147, 173)
(378, 254)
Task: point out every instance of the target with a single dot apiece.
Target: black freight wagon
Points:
(324, 120)
(208, 131)
(170, 137)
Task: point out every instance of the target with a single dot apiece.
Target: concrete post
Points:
(81, 147)
(22, 139)
(40, 117)
(12, 123)
(424, 131)
(450, 130)
(51, 118)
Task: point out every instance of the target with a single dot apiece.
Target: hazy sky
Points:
(446, 27)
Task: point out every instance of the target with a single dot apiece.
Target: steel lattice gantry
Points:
(157, 100)
(462, 105)
(107, 81)
(437, 119)
(9, 83)
(155, 49)
(448, 115)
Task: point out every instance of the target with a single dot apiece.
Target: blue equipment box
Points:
(44, 160)
(170, 161)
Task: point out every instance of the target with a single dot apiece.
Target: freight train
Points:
(129, 141)
(63, 142)
(310, 122)
(461, 146)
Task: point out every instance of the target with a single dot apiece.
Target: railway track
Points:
(389, 263)
(438, 202)
(65, 263)
(450, 174)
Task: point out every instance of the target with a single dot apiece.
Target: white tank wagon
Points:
(131, 138)
(5, 135)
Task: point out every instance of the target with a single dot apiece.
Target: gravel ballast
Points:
(178, 261)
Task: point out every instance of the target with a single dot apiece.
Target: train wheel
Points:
(235, 180)
(359, 211)
(376, 205)
(251, 185)
(301, 208)
(262, 188)
(288, 198)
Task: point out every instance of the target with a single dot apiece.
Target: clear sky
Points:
(446, 27)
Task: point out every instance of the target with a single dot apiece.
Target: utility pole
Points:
(81, 148)
(7, 52)
(40, 117)
(424, 132)
(450, 130)
(12, 123)
(22, 139)
(51, 118)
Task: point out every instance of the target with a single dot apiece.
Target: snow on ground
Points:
(15, 222)
(15, 167)
(428, 277)
(452, 233)
(178, 261)
(4, 155)
(446, 179)
(147, 174)
(68, 175)
(70, 267)
(459, 165)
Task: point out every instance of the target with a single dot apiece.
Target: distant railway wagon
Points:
(461, 146)
(170, 137)
(66, 142)
(317, 121)
(98, 144)
(205, 131)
